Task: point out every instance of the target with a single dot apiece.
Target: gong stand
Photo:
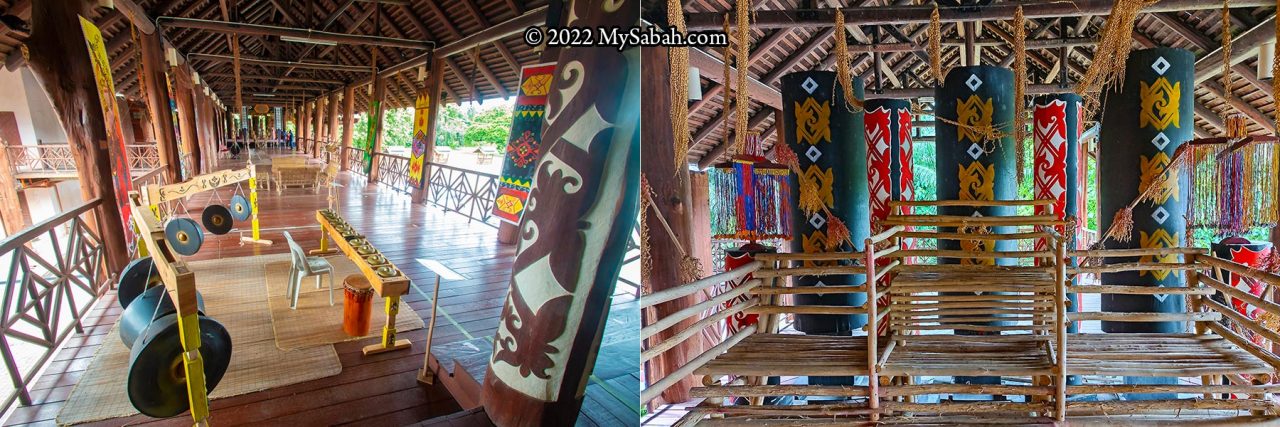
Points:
(155, 196)
(390, 286)
(180, 284)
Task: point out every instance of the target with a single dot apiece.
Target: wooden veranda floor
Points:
(371, 390)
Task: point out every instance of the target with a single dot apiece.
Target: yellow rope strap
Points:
(1226, 48)
(1020, 87)
(690, 267)
(728, 77)
(1112, 51)
(844, 72)
(744, 66)
(935, 46)
(679, 64)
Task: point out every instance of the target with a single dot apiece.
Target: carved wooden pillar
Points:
(156, 93)
(11, 214)
(575, 233)
(59, 60)
(348, 123)
(187, 118)
(303, 113)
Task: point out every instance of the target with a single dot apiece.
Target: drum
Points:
(357, 305)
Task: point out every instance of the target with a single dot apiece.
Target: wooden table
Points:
(389, 288)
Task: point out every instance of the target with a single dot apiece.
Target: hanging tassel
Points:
(679, 66)
(1121, 226)
(1020, 89)
(1112, 51)
(844, 73)
(1226, 47)
(646, 258)
(837, 233)
(935, 46)
(1275, 71)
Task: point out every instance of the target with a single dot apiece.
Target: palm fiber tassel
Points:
(679, 66)
(744, 66)
(1020, 89)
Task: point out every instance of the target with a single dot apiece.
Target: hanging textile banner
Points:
(524, 144)
(122, 182)
(827, 138)
(889, 152)
(418, 154)
(1144, 121)
(750, 196)
(375, 126)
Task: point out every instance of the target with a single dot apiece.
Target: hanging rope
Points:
(679, 64)
(1226, 48)
(935, 46)
(844, 73)
(690, 267)
(744, 66)
(809, 201)
(646, 258)
(1275, 70)
(1111, 52)
(726, 93)
(1020, 88)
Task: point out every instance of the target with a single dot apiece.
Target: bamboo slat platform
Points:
(1159, 355)
(792, 355)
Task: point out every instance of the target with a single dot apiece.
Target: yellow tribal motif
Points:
(973, 114)
(1158, 239)
(815, 242)
(813, 121)
(536, 85)
(974, 246)
(1153, 168)
(823, 178)
(977, 182)
(1159, 104)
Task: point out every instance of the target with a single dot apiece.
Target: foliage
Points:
(457, 126)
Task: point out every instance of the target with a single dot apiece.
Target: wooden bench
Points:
(294, 171)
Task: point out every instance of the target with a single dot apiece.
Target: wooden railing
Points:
(466, 192)
(355, 159)
(56, 273)
(57, 158)
(393, 171)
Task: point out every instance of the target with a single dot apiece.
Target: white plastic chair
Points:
(302, 267)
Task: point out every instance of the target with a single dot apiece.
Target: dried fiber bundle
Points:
(744, 65)
(679, 67)
(844, 72)
(1112, 51)
(935, 45)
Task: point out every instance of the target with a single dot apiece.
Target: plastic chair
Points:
(302, 267)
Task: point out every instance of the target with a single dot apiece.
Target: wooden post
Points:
(322, 130)
(332, 134)
(303, 115)
(59, 60)
(541, 362)
(375, 126)
(186, 117)
(156, 93)
(317, 125)
(673, 200)
(348, 123)
(10, 201)
(437, 101)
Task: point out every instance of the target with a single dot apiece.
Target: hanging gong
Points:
(156, 384)
(152, 304)
(216, 219)
(184, 236)
(240, 208)
(137, 277)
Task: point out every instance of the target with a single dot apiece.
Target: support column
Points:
(156, 93)
(889, 156)
(426, 145)
(59, 60)
(1147, 119)
(828, 139)
(1059, 173)
(322, 128)
(972, 167)
(348, 123)
(11, 215)
(332, 133)
(674, 202)
(555, 311)
(373, 142)
(317, 125)
(303, 114)
(187, 118)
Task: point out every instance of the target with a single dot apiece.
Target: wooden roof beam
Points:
(275, 63)
(1243, 46)
(272, 30)
(453, 29)
(1240, 105)
(1206, 44)
(712, 156)
(496, 32)
(896, 15)
(712, 69)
